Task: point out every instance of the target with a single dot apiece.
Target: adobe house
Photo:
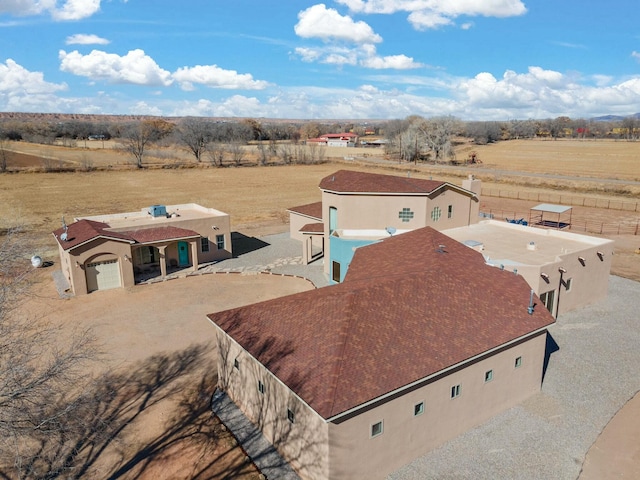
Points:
(110, 251)
(566, 270)
(370, 201)
(422, 341)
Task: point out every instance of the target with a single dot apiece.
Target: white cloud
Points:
(25, 91)
(86, 39)
(318, 21)
(135, 67)
(636, 55)
(216, 77)
(68, 10)
(424, 14)
(364, 55)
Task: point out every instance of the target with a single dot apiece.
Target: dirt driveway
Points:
(158, 351)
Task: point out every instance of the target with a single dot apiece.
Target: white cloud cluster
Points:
(425, 14)
(67, 10)
(138, 68)
(22, 90)
(135, 67)
(86, 39)
(338, 32)
(318, 21)
(216, 77)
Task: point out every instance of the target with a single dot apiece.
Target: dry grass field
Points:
(257, 199)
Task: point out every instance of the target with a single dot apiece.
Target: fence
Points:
(587, 226)
(559, 198)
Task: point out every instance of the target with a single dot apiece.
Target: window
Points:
(220, 242)
(450, 211)
(236, 364)
(333, 219)
(488, 376)
(547, 299)
(405, 215)
(436, 213)
(518, 362)
(455, 391)
(376, 429)
(146, 255)
(204, 244)
(261, 387)
(418, 409)
(335, 271)
(291, 416)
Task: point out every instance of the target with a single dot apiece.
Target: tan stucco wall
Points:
(96, 251)
(303, 443)
(296, 222)
(371, 211)
(354, 454)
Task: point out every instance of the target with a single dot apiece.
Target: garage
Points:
(103, 275)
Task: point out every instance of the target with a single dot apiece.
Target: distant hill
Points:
(615, 118)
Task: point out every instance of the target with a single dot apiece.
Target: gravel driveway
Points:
(590, 376)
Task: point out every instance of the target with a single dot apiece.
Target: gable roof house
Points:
(373, 203)
(110, 251)
(422, 341)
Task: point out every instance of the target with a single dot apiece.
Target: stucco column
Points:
(194, 254)
(163, 260)
(305, 249)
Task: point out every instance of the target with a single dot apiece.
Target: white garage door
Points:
(103, 275)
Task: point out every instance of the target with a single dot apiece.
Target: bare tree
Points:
(630, 128)
(196, 134)
(42, 371)
(236, 149)
(437, 133)
(137, 136)
(4, 154)
(216, 152)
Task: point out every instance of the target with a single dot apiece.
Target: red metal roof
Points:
(362, 182)
(313, 210)
(410, 306)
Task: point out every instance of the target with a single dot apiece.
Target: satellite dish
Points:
(64, 236)
(390, 230)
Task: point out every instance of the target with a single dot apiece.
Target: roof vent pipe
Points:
(530, 308)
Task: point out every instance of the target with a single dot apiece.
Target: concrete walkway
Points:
(261, 452)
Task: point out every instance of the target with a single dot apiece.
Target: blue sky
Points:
(342, 59)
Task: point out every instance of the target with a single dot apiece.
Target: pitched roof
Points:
(313, 210)
(159, 234)
(83, 231)
(312, 228)
(345, 181)
(341, 346)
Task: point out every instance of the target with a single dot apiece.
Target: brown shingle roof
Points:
(419, 312)
(158, 234)
(313, 210)
(361, 182)
(312, 228)
(83, 231)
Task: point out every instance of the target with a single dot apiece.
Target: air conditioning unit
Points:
(158, 211)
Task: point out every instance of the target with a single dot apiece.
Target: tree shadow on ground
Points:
(105, 435)
(242, 244)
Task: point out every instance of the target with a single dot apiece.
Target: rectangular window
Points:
(335, 271)
(236, 364)
(518, 362)
(547, 299)
(455, 391)
(450, 211)
(220, 242)
(376, 429)
(261, 387)
(204, 244)
(488, 376)
(418, 409)
(291, 416)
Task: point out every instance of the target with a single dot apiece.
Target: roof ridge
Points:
(345, 341)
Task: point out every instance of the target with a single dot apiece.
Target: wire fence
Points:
(588, 226)
(563, 199)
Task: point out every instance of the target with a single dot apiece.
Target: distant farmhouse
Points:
(346, 139)
(421, 341)
(111, 251)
